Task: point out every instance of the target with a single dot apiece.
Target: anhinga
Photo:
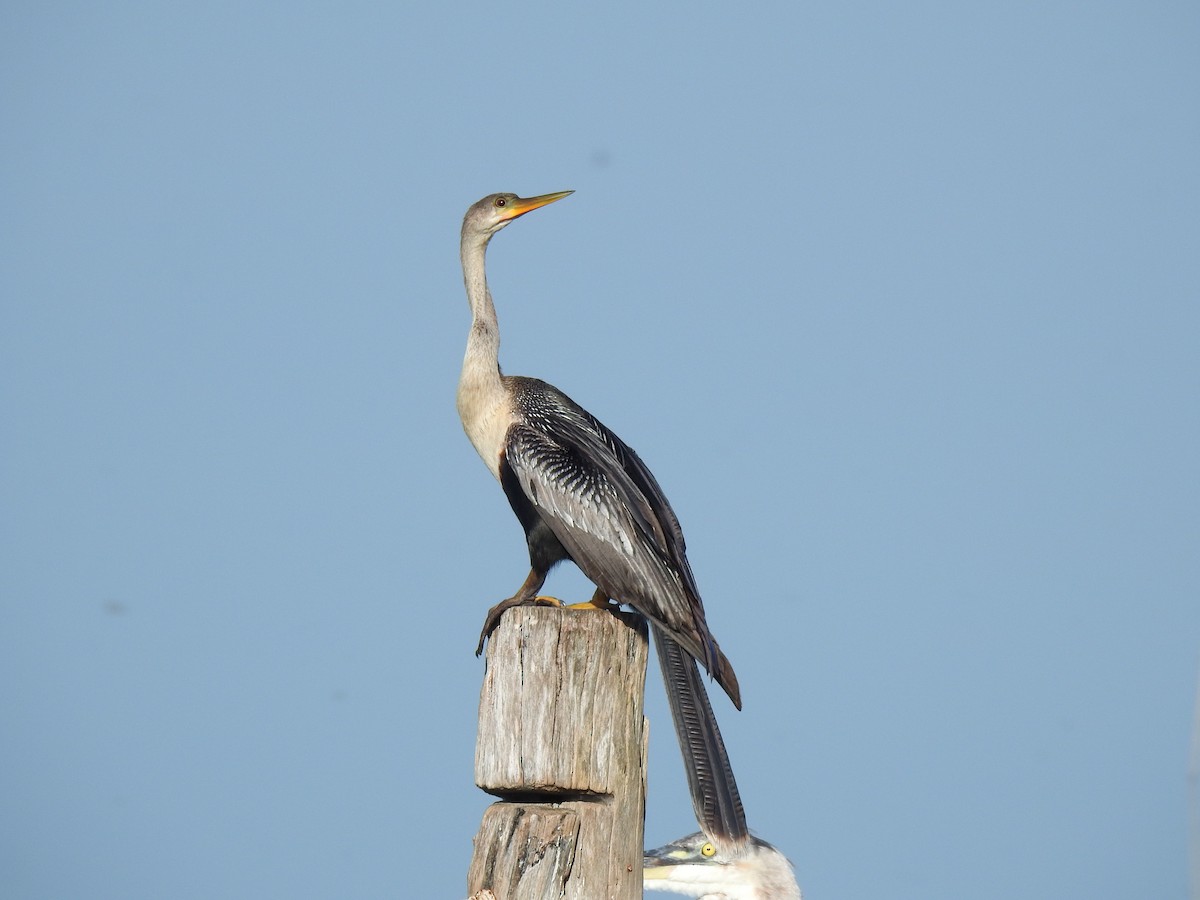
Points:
(694, 867)
(583, 495)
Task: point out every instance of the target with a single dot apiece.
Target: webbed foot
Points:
(599, 600)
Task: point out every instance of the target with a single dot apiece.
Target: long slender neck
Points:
(482, 400)
(482, 360)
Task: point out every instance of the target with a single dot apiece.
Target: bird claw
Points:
(494, 614)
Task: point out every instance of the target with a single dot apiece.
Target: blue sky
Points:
(899, 303)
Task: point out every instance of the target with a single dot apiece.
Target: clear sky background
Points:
(901, 302)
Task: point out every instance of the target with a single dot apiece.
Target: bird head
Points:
(493, 212)
(693, 866)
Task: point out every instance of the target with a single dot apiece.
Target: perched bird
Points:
(582, 494)
(694, 867)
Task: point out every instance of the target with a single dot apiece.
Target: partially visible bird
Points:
(582, 494)
(693, 866)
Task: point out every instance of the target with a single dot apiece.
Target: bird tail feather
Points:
(714, 790)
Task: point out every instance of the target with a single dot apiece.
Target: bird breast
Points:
(486, 417)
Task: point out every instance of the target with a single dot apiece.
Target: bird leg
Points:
(526, 594)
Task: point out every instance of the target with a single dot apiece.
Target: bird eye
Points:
(708, 850)
(500, 201)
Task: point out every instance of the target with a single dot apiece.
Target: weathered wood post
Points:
(562, 742)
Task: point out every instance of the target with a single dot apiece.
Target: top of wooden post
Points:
(562, 702)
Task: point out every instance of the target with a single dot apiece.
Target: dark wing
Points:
(605, 524)
(606, 508)
(608, 511)
(667, 530)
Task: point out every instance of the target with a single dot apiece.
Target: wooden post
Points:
(562, 742)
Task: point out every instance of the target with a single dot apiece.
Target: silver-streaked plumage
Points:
(583, 495)
(714, 791)
(694, 867)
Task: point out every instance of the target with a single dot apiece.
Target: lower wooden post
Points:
(562, 742)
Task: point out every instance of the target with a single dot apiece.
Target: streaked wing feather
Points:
(591, 507)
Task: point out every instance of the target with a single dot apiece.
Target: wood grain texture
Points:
(524, 850)
(562, 739)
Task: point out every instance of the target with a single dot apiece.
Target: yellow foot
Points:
(598, 601)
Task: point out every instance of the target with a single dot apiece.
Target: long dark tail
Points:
(710, 777)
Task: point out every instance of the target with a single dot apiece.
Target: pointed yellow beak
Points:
(520, 206)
